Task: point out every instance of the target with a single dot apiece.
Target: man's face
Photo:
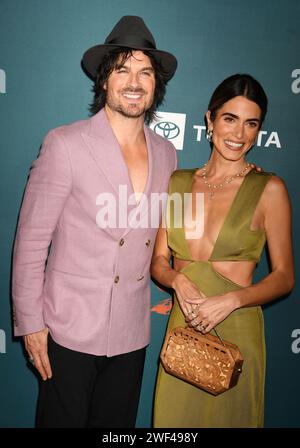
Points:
(130, 87)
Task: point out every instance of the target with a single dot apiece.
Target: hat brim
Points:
(93, 56)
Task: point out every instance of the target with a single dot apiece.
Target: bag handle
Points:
(219, 337)
(222, 342)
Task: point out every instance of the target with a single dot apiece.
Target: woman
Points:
(212, 274)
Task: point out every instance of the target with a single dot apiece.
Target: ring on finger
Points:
(31, 360)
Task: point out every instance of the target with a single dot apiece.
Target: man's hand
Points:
(36, 345)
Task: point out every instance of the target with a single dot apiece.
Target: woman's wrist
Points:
(233, 300)
(176, 277)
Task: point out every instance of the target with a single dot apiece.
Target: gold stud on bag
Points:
(206, 361)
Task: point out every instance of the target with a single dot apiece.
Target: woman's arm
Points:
(277, 223)
(279, 237)
(161, 270)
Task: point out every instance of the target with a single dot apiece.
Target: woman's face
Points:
(235, 127)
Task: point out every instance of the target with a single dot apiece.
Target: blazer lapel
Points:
(156, 166)
(106, 152)
(157, 163)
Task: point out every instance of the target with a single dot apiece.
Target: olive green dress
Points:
(177, 403)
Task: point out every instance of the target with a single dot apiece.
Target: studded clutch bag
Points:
(203, 360)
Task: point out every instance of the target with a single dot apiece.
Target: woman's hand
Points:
(187, 292)
(211, 311)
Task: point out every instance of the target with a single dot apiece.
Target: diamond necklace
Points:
(227, 180)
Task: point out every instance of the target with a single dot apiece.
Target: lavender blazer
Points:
(93, 289)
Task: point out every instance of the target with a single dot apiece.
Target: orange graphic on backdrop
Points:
(163, 307)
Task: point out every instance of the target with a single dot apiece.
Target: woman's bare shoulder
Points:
(275, 185)
(275, 193)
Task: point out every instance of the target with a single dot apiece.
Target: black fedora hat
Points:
(130, 32)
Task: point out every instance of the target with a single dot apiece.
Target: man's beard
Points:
(131, 110)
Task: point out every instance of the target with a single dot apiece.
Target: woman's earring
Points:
(209, 135)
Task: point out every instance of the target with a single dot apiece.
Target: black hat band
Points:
(131, 42)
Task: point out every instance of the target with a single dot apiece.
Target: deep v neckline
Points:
(225, 220)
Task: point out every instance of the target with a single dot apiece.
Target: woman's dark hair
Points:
(109, 63)
(238, 85)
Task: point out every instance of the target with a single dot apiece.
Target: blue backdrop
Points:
(42, 86)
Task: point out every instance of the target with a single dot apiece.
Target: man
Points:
(84, 310)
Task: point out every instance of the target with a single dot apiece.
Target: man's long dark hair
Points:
(109, 63)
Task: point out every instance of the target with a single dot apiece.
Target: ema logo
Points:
(296, 84)
(171, 126)
(2, 81)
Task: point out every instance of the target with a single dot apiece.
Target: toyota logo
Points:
(167, 129)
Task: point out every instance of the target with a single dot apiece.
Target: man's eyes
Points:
(143, 73)
(253, 124)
